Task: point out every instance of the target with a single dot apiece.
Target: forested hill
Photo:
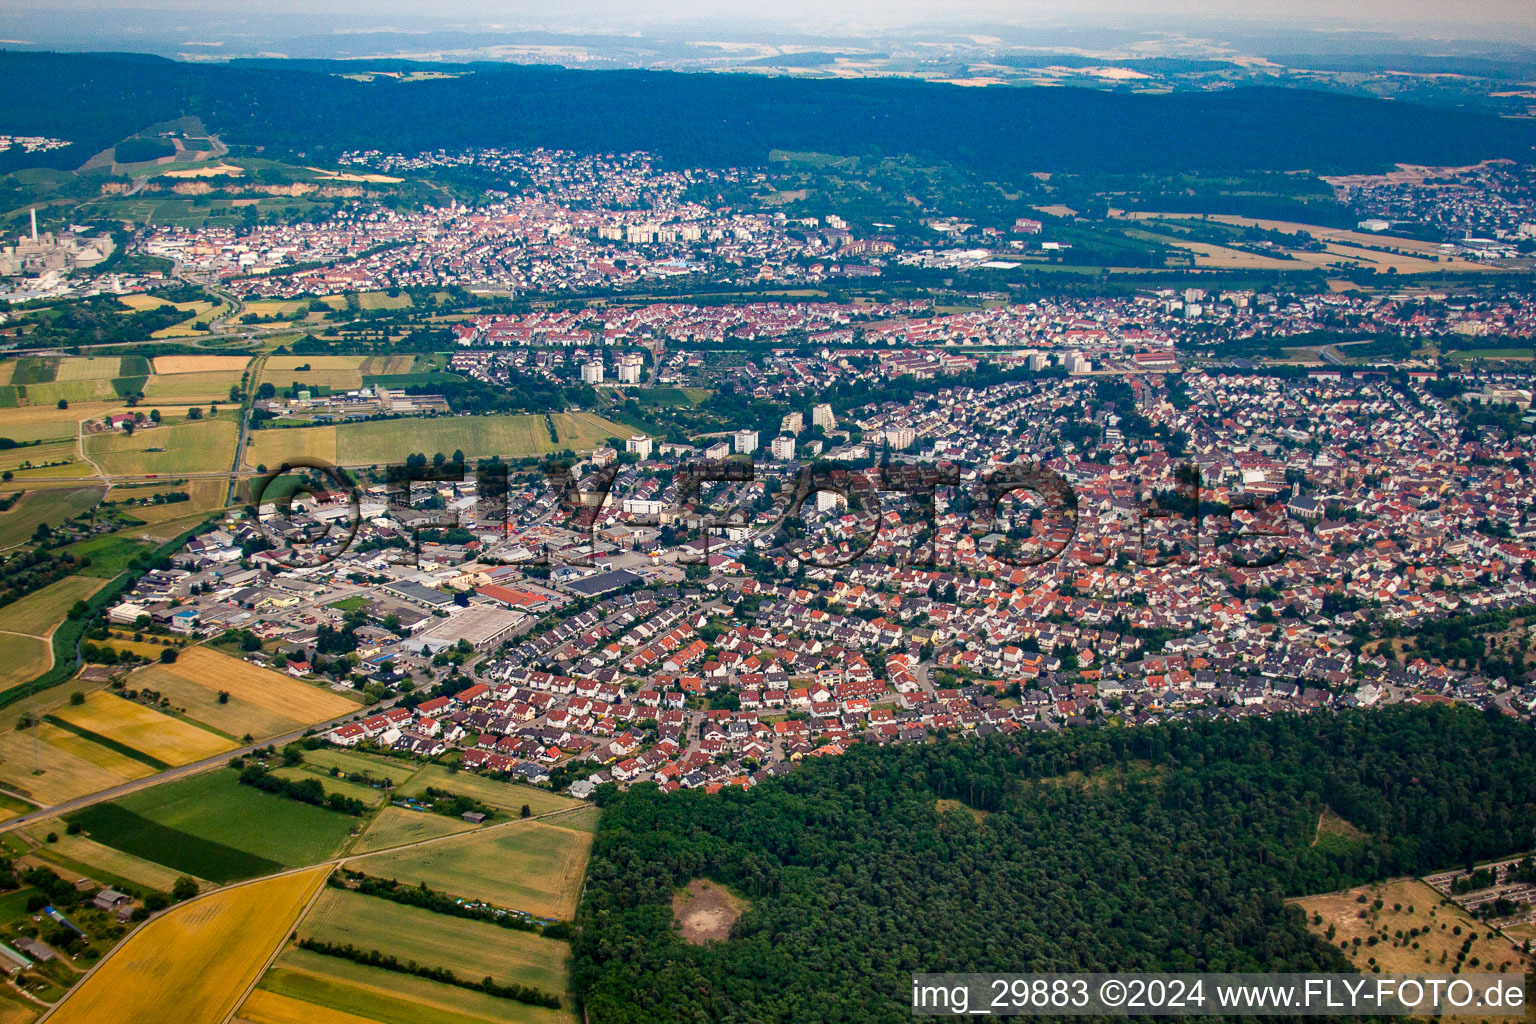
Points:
(1169, 848)
(723, 120)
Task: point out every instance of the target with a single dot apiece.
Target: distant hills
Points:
(728, 120)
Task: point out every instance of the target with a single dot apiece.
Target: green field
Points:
(42, 454)
(199, 386)
(367, 794)
(397, 826)
(41, 611)
(354, 763)
(188, 446)
(210, 826)
(471, 949)
(393, 998)
(381, 442)
(44, 505)
(109, 554)
(503, 796)
(522, 866)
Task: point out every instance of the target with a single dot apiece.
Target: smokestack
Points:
(34, 223)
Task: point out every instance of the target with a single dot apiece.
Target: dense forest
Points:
(95, 100)
(1119, 849)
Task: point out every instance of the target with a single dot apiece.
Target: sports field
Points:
(526, 866)
(396, 826)
(189, 446)
(381, 442)
(193, 965)
(472, 949)
(389, 997)
(41, 611)
(504, 796)
(210, 826)
(143, 729)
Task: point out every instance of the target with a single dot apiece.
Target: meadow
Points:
(204, 386)
(51, 505)
(396, 826)
(380, 442)
(1370, 936)
(339, 373)
(526, 866)
(210, 826)
(40, 612)
(503, 796)
(188, 446)
(195, 963)
(472, 949)
(109, 554)
(26, 658)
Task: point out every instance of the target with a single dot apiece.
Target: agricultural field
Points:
(40, 612)
(204, 386)
(234, 718)
(354, 763)
(92, 368)
(507, 797)
(49, 422)
(528, 866)
(96, 860)
(109, 553)
(298, 702)
(210, 826)
(372, 796)
(176, 365)
(386, 366)
(339, 373)
(386, 997)
(205, 495)
(132, 725)
(189, 446)
(411, 933)
(51, 458)
(26, 658)
(1379, 936)
(385, 441)
(193, 964)
(48, 765)
(396, 826)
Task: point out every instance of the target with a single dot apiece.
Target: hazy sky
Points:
(1496, 19)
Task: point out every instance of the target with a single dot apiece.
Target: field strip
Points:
(309, 904)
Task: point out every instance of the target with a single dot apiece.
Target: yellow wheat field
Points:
(271, 691)
(148, 731)
(271, 1008)
(192, 965)
(198, 364)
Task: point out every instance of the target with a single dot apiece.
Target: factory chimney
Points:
(34, 224)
